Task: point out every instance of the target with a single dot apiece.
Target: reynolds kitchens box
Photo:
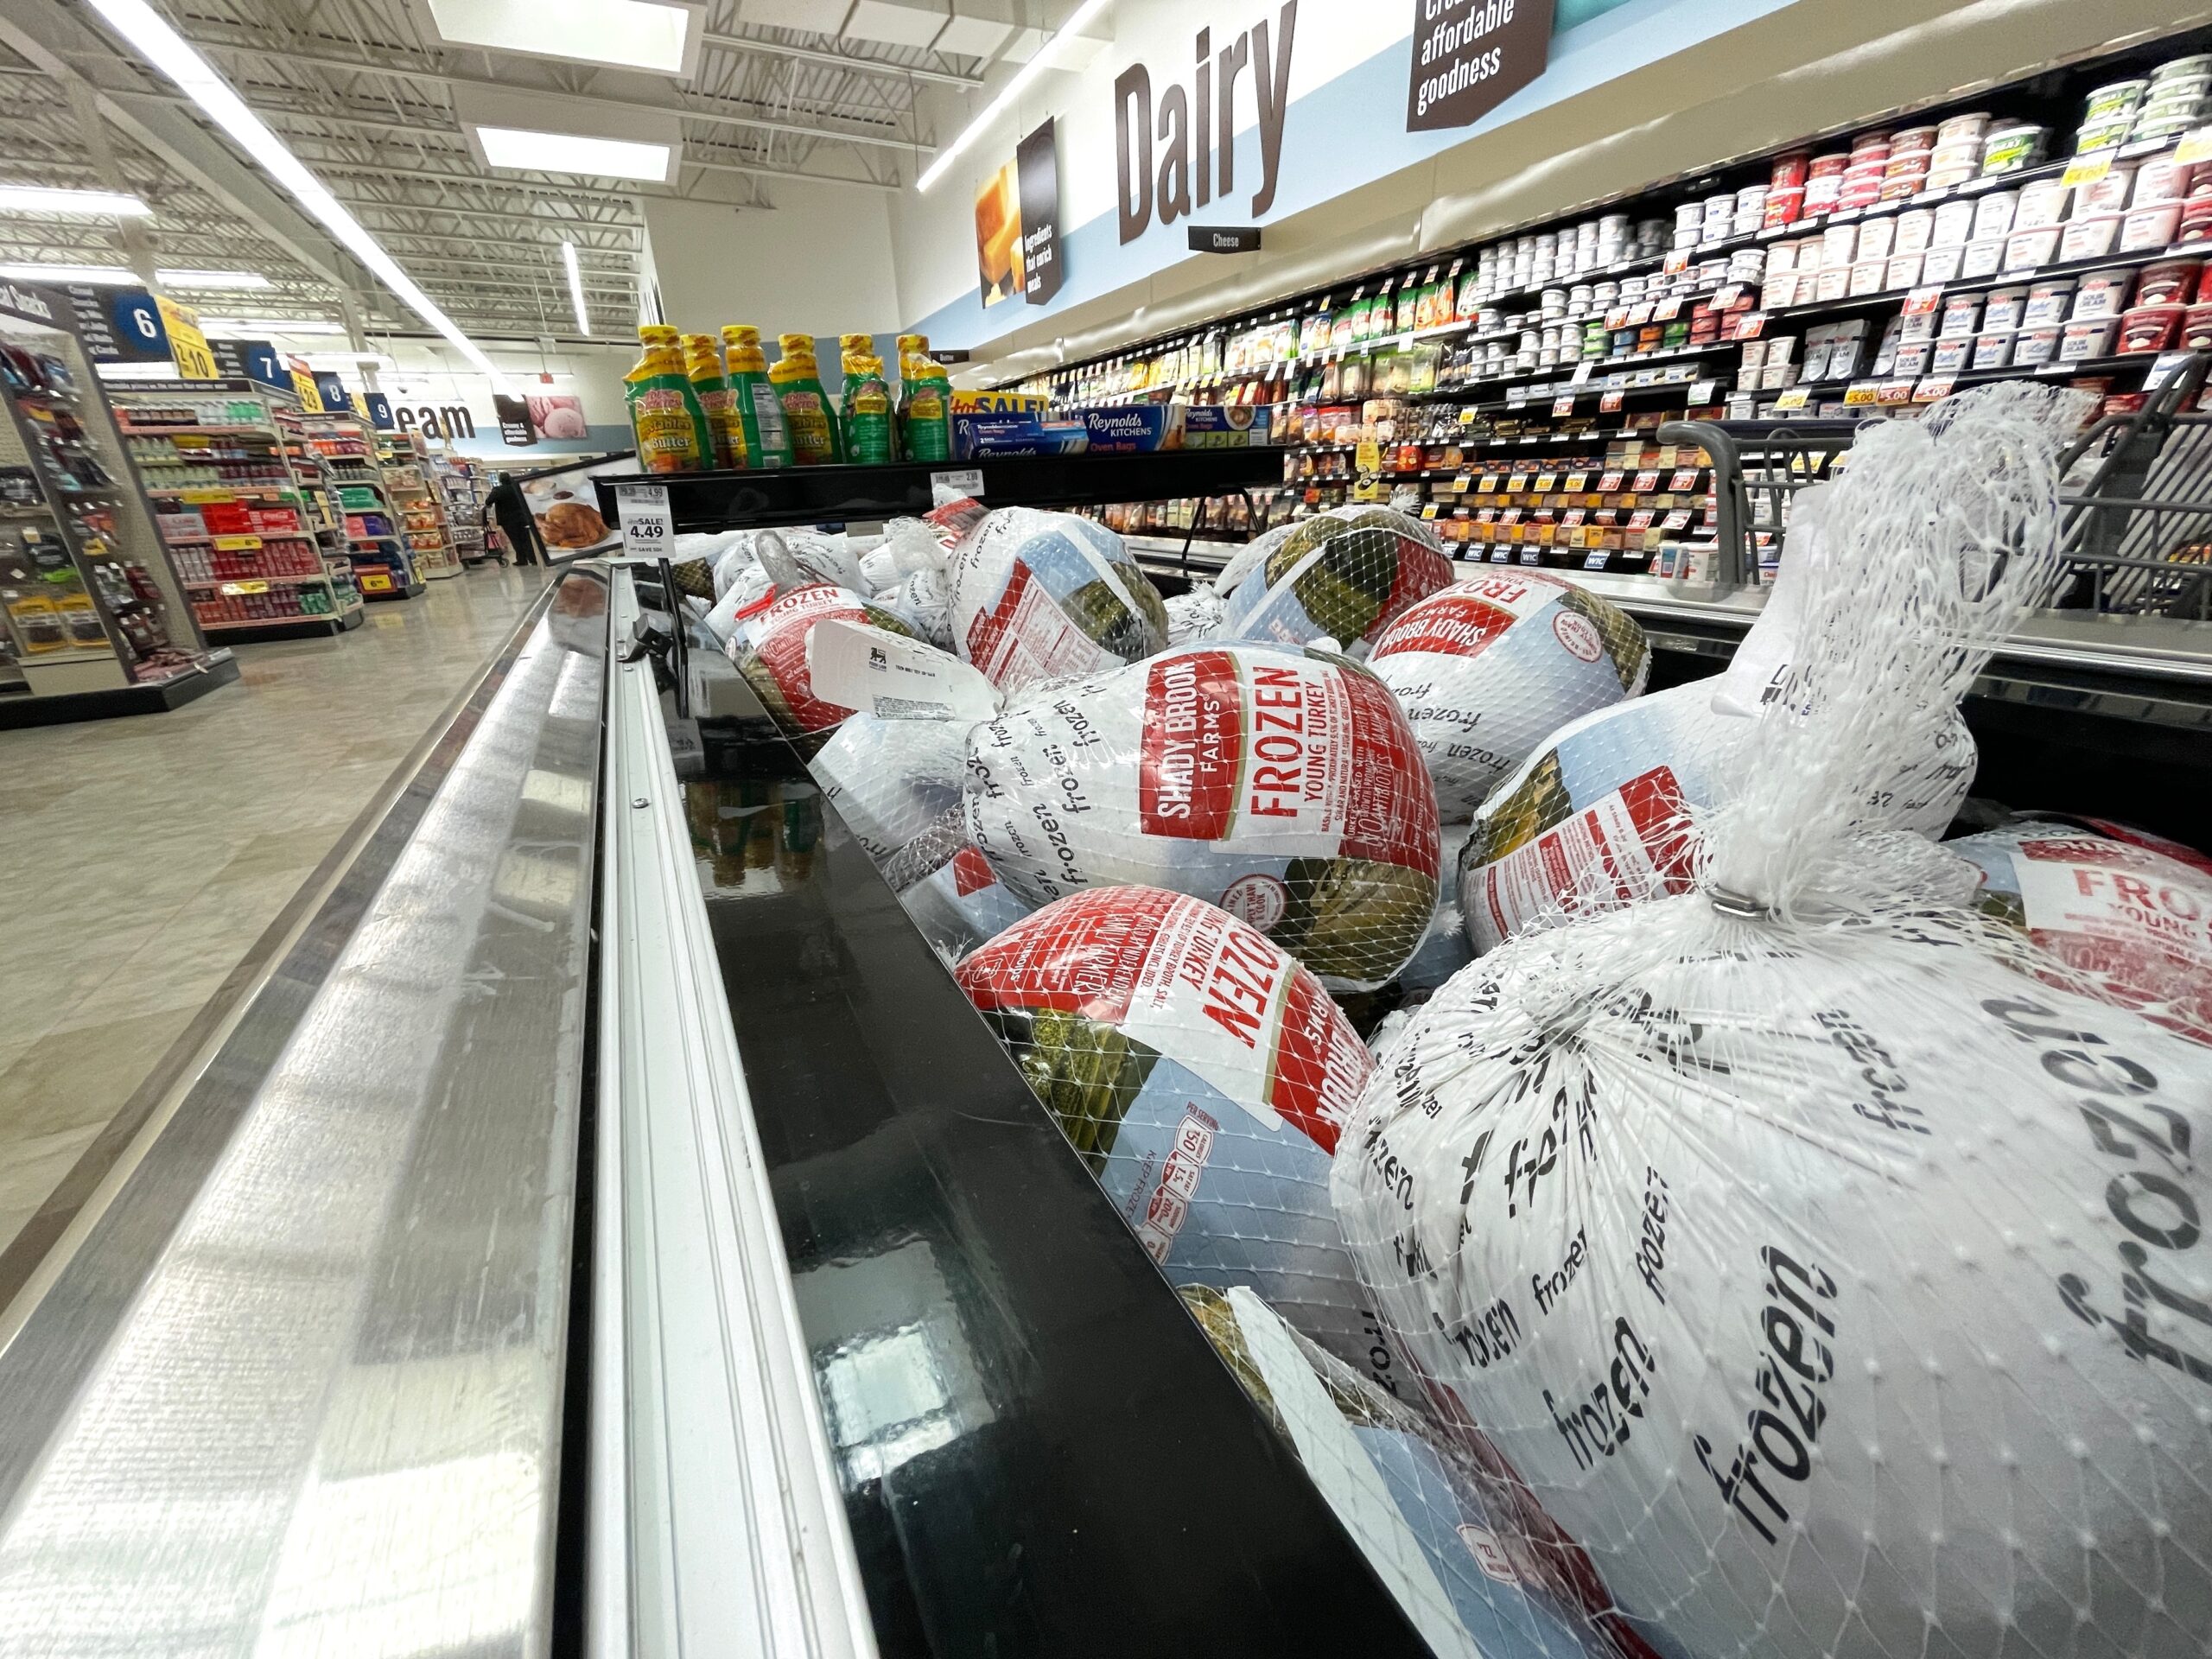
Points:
(1141, 428)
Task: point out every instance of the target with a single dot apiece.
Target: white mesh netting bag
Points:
(1282, 785)
(1040, 595)
(1192, 616)
(1840, 1287)
(1344, 574)
(1603, 814)
(1490, 667)
(897, 783)
(2128, 913)
(768, 646)
(1202, 1074)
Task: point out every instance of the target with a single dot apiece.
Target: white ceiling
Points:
(365, 93)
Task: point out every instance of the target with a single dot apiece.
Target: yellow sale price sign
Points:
(188, 345)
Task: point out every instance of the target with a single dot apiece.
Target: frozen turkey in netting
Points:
(1041, 595)
(1192, 616)
(2129, 913)
(1282, 785)
(1469, 1560)
(1344, 574)
(769, 648)
(1202, 1074)
(1837, 1286)
(897, 783)
(1490, 667)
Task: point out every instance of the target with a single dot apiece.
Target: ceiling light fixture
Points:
(175, 57)
(256, 328)
(625, 34)
(570, 152)
(1077, 22)
(575, 287)
(213, 279)
(43, 198)
(120, 276)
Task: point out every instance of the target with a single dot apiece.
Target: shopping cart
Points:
(2137, 532)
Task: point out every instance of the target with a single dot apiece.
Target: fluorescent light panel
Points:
(631, 34)
(259, 328)
(175, 57)
(575, 287)
(119, 276)
(569, 152)
(1077, 22)
(42, 199)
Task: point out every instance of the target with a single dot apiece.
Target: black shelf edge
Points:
(807, 495)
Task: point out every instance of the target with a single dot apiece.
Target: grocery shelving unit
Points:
(461, 493)
(93, 620)
(406, 462)
(241, 508)
(345, 447)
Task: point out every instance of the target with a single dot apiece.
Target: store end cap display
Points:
(1345, 575)
(1282, 785)
(1804, 1251)
(1039, 596)
(1202, 1075)
(1490, 667)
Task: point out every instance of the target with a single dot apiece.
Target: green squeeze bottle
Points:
(702, 367)
(670, 427)
(924, 405)
(759, 411)
(797, 380)
(868, 414)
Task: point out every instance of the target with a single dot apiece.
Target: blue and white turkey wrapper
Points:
(1449, 1539)
(897, 783)
(1604, 813)
(1280, 784)
(1202, 1075)
(1840, 1286)
(1345, 575)
(1042, 595)
(1490, 667)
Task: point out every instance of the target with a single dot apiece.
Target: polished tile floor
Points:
(141, 859)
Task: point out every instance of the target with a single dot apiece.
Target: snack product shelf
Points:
(805, 495)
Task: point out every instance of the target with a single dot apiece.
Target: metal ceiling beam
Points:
(840, 61)
(329, 169)
(691, 158)
(447, 238)
(489, 215)
(689, 110)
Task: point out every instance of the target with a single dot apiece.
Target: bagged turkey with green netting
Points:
(1831, 1276)
(1042, 595)
(1345, 575)
(1280, 784)
(1202, 1075)
(1490, 667)
(769, 646)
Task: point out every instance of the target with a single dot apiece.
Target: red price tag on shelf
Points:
(1609, 482)
(1894, 392)
(1640, 519)
(1922, 301)
(1646, 481)
(1684, 478)
(1609, 403)
(1564, 403)
(1678, 519)
(1934, 388)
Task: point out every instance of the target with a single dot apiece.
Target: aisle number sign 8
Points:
(188, 345)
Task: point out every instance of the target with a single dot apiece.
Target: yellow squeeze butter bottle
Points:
(702, 367)
(807, 414)
(670, 427)
(759, 411)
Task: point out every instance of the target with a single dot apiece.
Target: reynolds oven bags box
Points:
(1135, 429)
(1223, 427)
(977, 436)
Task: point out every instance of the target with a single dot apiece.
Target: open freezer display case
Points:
(94, 620)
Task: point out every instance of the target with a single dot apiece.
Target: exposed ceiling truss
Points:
(364, 92)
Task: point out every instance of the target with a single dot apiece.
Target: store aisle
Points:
(144, 858)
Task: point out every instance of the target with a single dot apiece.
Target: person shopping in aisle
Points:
(518, 525)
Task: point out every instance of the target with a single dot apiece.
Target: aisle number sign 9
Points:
(188, 345)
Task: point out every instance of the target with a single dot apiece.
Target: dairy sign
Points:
(1470, 56)
(1177, 152)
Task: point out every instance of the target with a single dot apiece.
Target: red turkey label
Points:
(1630, 845)
(1303, 753)
(2142, 923)
(1463, 621)
(1185, 978)
(778, 636)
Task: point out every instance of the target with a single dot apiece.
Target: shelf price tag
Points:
(2167, 366)
(1639, 314)
(1582, 370)
(1468, 413)
(1609, 403)
(1564, 403)
(1894, 392)
(1795, 398)
(236, 544)
(1703, 391)
(1933, 389)
(1668, 309)
(1861, 393)
(1429, 511)
(2087, 170)
(1923, 300)
(1676, 262)
(648, 526)
(2197, 147)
